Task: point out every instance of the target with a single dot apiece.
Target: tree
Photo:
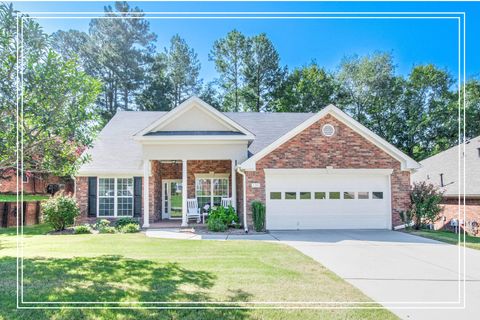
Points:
(425, 205)
(183, 68)
(306, 89)
(209, 94)
(118, 51)
(427, 110)
(262, 72)
(58, 120)
(228, 54)
(156, 96)
(369, 91)
(472, 108)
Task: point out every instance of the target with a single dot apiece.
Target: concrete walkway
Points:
(414, 277)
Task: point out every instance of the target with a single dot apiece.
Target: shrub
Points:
(107, 229)
(227, 216)
(83, 229)
(101, 224)
(60, 211)
(130, 228)
(425, 205)
(216, 224)
(124, 221)
(258, 210)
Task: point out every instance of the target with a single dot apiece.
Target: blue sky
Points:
(299, 41)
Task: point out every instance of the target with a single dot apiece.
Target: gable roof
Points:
(204, 109)
(407, 163)
(447, 163)
(117, 138)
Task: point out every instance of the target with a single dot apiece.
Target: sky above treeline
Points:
(299, 40)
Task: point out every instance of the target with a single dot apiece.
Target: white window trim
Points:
(212, 176)
(115, 198)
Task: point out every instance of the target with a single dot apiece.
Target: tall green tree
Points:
(183, 68)
(262, 72)
(228, 54)
(369, 90)
(118, 51)
(306, 89)
(57, 119)
(157, 93)
(472, 108)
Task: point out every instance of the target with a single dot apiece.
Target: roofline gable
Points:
(184, 107)
(407, 163)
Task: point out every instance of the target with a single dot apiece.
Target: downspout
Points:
(244, 179)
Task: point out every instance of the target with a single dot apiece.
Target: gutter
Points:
(244, 178)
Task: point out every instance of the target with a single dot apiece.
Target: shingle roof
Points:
(115, 149)
(447, 163)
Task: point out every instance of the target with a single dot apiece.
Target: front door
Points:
(172, 199)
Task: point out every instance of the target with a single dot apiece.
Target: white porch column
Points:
(146, 202)
(234, 185)
(184, 193)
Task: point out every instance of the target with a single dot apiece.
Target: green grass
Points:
(26, 197)
(448, 237)
(132, 267)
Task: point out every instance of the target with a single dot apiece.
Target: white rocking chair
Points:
(192, 210)
(226, 202)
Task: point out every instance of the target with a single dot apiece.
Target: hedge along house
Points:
(313, 171)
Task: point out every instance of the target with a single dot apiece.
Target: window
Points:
(106, 196)
(349, 195)
(290, 195)
(211, 191)
(275, 195)
(328, 130)
(363, 195)
(115, 197)
(320, 195)
(377, 195)
(334, 195)
(305, 195)
(124, 197)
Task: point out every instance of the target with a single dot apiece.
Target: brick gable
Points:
(345, 149)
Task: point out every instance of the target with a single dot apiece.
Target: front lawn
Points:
(132, 267)
(26, 197)
(448, 237)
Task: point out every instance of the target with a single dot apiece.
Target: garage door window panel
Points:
(377, 195)
(334, 195)
(305, 195)
(363, 195)
(349, 195)
(320, 195)
(290, 195)
(276, 195)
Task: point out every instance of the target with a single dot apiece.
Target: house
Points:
(313, 171)
(33, 182)
(445, 170)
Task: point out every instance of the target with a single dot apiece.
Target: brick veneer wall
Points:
(346, 149)
(206, 166)
(37, 184)
(450, 211)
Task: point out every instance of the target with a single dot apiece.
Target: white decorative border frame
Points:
(459, 304)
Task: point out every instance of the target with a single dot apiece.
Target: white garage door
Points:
(314, 199)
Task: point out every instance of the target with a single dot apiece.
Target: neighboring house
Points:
(444, 171)
(33, 183)
(313, 171)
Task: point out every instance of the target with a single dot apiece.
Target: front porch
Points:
(167, 185)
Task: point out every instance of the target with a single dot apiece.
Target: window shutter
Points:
(137, 196)
(92, 196)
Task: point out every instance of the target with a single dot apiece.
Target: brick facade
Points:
(451, 211)
(346, 149)
(9, 212)
(35, 184)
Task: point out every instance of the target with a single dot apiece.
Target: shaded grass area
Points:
(132, 267)
(449, 237)
(26, 197)
(38, 229)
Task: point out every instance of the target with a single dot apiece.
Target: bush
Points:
(227, 216)
(101, 224)
(83, 229)
(216, 224)
(258, 210)
(124, 221)
(425, 205)
(130, 228)
(107, 229)
(60, 211)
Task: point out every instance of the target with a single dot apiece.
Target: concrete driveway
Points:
(416, 278)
